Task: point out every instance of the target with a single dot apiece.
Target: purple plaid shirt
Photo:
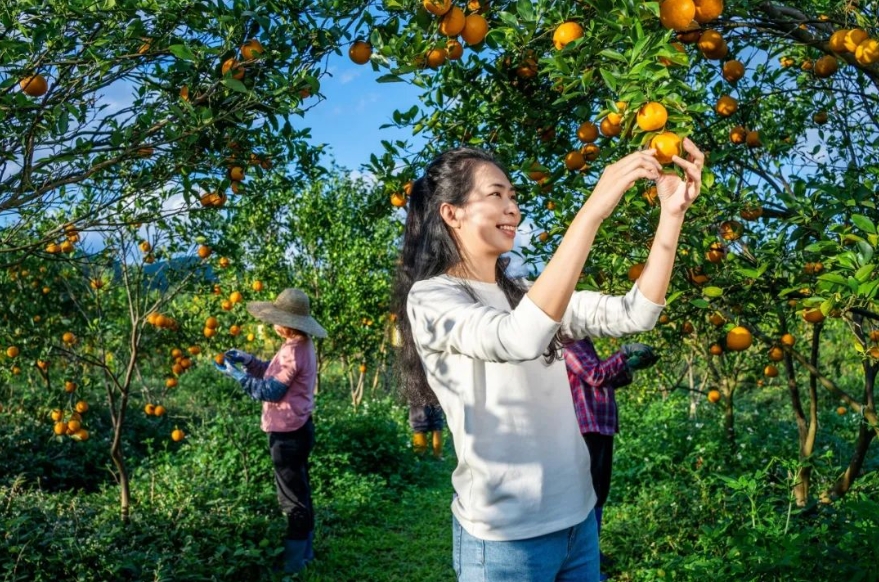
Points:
(592, 386)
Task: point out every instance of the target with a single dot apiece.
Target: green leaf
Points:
(864, 223)
(712, 292)
(670, 299)
(863, 274)
(609, 79)
(181, 51)
(700, 303)
(235, 85)
(833, 278)
(390, 79)
(611, 54)
(525, 9)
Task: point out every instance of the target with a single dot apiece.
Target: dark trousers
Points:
(290, 452)
(601, 460)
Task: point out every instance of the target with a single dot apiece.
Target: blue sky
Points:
(353, 109)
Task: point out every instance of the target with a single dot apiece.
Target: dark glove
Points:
(639, 356)
(229, 369)
(238, 357)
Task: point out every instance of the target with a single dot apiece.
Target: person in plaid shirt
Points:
(593, 383)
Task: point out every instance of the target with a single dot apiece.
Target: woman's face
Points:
(487, 223)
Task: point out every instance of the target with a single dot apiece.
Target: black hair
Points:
(429, 250)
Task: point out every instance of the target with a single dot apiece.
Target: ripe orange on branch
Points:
(707, 10)
(359, 52)
(667, 144)
(770, 371)
(677, 14)
(35, 85)
(475, 29)
(587, 132)
(565, 33)
(251, 49)
(652, 116)
(733, 70)
(739, 339)
(714, 396)
(452, 22)
(437, 7)
(726, 106)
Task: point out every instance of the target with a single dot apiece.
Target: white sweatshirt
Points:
(523, 468)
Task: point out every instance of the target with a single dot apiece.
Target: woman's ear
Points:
(449, 214)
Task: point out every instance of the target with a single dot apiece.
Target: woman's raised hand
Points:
(620, 176)
(676, 194)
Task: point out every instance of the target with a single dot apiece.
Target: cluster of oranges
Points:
(162, 321)
(71, 425)
(71, 237)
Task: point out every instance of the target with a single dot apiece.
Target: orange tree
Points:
(781, 97)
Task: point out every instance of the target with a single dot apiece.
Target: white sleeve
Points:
(445, 318)
(592, 314)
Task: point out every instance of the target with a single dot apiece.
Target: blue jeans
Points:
(570, 555)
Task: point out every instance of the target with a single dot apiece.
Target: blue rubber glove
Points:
(238, 357)
(229, 369)
(639, 356)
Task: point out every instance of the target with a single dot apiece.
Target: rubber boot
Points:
(419, 443)
(294, 555)
(438, 445)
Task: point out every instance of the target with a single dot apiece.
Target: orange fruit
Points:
(177, 435)
(610, 129)
(714, 396)
(57, 414)
(813, 268)
(678, 47)
(436, 57)
(853, 38)
(733, 70)
(362, 368)
(574, 161)
(184, 93)
(81, 406)
(35, 85)
(149, 409)
(360, 52)
(236, 173)
(716, 253)
(73, 426)
(60, 428)
(738, 134)
(43, 365)
(826, 66)
(867, 52)
(251, 49)
(437, 7)
(837, 40)
(145, 246)
(726, 106)
(752, 140)
(226, 305)
(635, 271)
(587, 132)
(652, 116)
(666, 144)
(565, 33)
(731, 230)
(813, 315)
(234, 330)
(543, 237)
(776, 354)
(204, 251)
(81, 435)
(707, 10)
(738, 339)
(452, 22)
(236, 297)
(224, 262)
(712, 45)
(176, 353)
(677, 14)
(170, 382)
(159, 410)
(841, 410)
(770, 371)
(788, 340)
(12, 352)
(874, 335)
(69, 386)
(257, 286)
(211, 323)
(687, 328)
(398, 200)
(590, 152)
(232, 67)
(455, 50)
(219, 359)
(475, 29)
(715, 350)
(650, 195)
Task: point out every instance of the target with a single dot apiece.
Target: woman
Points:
(489, 348)
(285, 385)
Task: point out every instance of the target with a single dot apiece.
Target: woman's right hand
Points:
(619, 177)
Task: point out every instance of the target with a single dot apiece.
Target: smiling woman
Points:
(472, 339)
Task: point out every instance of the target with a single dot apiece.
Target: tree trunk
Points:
(728, 416)
(845, 481)
(119, 462)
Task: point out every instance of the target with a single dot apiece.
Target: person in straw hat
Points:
(285, 386)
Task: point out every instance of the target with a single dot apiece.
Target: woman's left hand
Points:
(676, 195)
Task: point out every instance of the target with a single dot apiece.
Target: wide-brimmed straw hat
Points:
(289, 309)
